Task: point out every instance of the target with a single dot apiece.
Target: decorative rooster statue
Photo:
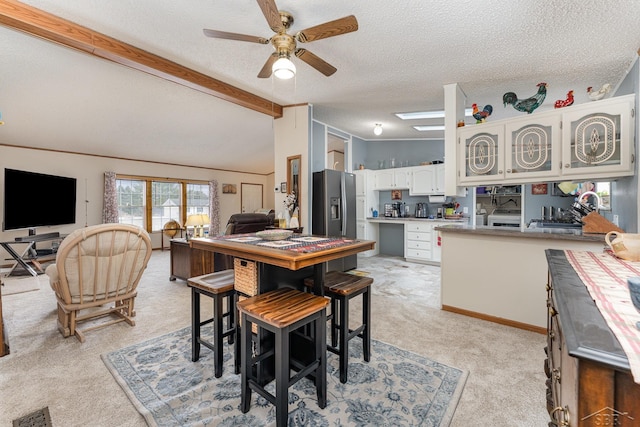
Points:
(564, 102)
(481, 116)
(529, 104)
(599, 94)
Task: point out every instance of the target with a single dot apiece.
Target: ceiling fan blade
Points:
(328, 29)
(270, 11)
(266, 69)
(234, 36)
(316, 62)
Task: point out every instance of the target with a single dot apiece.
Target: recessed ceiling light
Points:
(428, 114)
(423, 128)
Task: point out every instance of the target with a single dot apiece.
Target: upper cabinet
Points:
(427, 180)
(391, 179)
(586, 141)
(598, 141)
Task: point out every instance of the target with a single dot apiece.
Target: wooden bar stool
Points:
(281, 312)
(341, 288)
(217, 286)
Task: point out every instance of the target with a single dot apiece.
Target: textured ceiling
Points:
(398, 60)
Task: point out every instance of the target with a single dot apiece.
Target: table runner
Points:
(296, 242)
(605, 276)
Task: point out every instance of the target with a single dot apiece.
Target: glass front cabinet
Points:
(598, 138)
(481, 154)
(587, 141)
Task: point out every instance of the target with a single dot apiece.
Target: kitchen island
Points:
(499, 274)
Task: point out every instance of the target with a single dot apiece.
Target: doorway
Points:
(250, 197)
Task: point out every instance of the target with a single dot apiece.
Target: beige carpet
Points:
(20, 284)
(505, 387)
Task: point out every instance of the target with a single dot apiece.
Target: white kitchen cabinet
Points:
(427, 180)
(586, 141)
(368, 231)
(361, 208)
(391, 179)
(366, 198)
(481, 153)
(598, 138)
(418, 241)
(532, 147)
(439, 178)
(361, 182)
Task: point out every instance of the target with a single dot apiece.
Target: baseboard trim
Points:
(495, 319)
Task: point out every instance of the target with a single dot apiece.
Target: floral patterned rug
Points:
(396, 388)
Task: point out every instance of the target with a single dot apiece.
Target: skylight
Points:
(424, 128)
(428, 114)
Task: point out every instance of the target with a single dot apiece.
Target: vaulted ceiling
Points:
(53, 96)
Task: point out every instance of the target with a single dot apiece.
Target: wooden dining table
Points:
(296, 254)
(285, 263)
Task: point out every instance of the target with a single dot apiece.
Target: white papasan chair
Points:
(96, 273)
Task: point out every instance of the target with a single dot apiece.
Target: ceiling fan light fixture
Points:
(377, 129)
(283, 68)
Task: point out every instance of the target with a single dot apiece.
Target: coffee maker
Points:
(421, 210)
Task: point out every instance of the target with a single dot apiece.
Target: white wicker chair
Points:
(98, 266)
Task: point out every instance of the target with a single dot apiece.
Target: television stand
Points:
(27, 257)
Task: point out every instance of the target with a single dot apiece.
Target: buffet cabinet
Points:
(586, 141)
(589, 381)
(187, 262)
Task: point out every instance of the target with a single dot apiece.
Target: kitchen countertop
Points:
(413, 218)
(533, 233)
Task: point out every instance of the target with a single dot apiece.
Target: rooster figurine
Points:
(529, 104)
(564, 102)
(597, 95)
(481, 116)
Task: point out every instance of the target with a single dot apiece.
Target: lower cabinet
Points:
(418, 241)
(187, 262)
(367, 231)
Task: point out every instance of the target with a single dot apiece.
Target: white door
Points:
(251, 197)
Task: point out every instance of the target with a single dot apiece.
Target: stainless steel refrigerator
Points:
(334, 211)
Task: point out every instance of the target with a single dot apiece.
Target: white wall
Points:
(89, 171)
(292, 139)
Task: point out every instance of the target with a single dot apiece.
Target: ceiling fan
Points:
(285, 45)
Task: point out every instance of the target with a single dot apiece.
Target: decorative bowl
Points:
(634, 292)
(274, 234)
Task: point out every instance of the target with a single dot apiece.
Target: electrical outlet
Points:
(465, 210)
(615, 220)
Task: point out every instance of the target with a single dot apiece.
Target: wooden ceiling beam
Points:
(38, 23)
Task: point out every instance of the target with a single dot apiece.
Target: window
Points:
(131, 202)
(197, 199)
(603, 189)
(152, 202)
(165, 203)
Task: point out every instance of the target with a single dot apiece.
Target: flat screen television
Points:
(34, 200)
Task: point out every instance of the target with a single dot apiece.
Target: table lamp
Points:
(197, 221)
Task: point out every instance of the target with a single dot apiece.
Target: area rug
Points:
(396, 388)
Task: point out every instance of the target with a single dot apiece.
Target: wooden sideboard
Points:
(589, 381)
(187, 262)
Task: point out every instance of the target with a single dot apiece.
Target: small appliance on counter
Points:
(422, 211)
(388, 210)
(394, 210)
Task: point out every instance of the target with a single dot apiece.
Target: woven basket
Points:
(246, 277)
(254, 327)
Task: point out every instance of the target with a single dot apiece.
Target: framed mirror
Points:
(293, 178)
